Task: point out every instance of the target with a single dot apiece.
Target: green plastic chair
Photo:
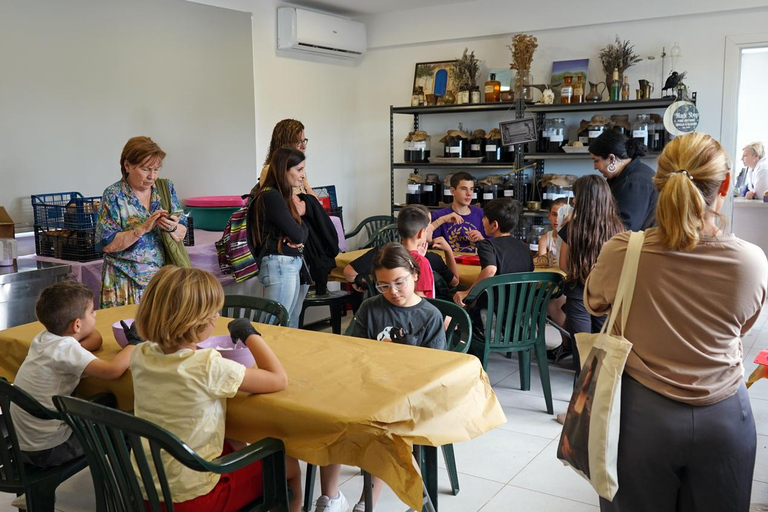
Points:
(255, 309)
(39, 485)
(109, 436)
(385, 235)
(370, 225)
(517, 316)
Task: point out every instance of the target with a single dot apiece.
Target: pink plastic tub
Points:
(228, 350)
(119, 333)
(215, 201)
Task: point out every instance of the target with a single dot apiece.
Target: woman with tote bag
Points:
(687, 436)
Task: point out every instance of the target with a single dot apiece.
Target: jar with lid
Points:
(493, 146)
(413, 193)
(474, 94)
(490, 192)
(640, 129)
(621, 124)
(583, 133)
(431, 191)
(657, 143)
(463, 97)
(477, 144)
(557, 137)
(420, 146)
(509, 188)
(536, 232)
(474, 197)
(508, 152)
(456, 146)
(447, 194)
(542, 144)
(408, 148)
(578, 90)
(566, 90)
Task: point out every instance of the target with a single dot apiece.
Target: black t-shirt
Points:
(573, 289)
(635, 195)
(508, 254)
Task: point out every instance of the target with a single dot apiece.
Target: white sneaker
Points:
(326, 504)
(20, 502)
(360, 507)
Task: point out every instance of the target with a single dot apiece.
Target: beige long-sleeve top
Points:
(688, 312)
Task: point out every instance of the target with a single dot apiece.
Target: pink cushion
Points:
(214, 201)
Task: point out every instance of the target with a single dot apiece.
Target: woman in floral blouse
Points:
(130, 220)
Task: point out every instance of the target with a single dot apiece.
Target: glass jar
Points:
(536, 232)
(621, 124)
(583, 136)
(523, 82)
(463, 97)
(477, 146)
(542, 144)
(566, 90)
(420, 149)
(455, 147)
(431, 191)
(556, 135)
(493, 150)
(508, 153)
(447, 194)
(578, 90)
(474, 94)
(594, 131)
(474, 197)
(640, 129)
(490, 192)
(413, 193)
(509, 188)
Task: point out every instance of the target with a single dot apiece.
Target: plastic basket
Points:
(189, 238)
(65, 225)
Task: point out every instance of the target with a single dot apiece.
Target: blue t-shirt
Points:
(457, 235)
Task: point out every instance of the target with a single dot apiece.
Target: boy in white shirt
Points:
(58, 357)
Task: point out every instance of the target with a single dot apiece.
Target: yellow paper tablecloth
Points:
(467, 273)
(349, 401)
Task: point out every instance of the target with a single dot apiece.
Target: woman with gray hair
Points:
(753, 157)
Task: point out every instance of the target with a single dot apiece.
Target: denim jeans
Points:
(280, 277)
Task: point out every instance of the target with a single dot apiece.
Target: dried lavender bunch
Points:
(619, 55)
(523, 46)
(465, 69)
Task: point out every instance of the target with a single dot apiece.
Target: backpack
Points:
(235, 250)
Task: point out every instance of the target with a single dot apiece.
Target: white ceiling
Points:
(355, 8)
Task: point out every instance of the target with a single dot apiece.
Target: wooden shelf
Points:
(532, 107)
(483, 165)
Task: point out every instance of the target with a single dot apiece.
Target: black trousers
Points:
(578, 319)
(675, 457)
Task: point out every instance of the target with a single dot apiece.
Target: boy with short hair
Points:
(501, 254)
(57, 358)
(413, 224)
(462, 236)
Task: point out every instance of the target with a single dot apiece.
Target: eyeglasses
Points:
(303, 142)
(150, 170)
(396, 286)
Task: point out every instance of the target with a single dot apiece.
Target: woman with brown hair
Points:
(279, 233)
(288, 132)
(129, 225)
(687, 439)
(593, 222)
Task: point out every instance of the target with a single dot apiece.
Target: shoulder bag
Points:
(175, 252)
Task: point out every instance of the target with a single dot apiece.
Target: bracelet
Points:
(135, 233)
(174, 228)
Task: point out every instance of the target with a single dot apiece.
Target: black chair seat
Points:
(335, 300)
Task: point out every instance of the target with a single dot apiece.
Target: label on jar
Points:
(509, 193)
(640, 134)
(490, 148)
(584, 140)
(413, 189)
(474, 147)
(489, 89)
(455, 150)
(593, 134)
(447, 192)
(487, 196)
(420, 145)
(474, 196)
(556, 138)
(428, 188)
(534, 247)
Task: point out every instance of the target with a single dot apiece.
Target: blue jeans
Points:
(280, 277)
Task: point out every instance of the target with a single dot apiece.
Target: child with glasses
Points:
(398, 315)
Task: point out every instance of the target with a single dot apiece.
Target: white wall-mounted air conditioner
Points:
(312, 32)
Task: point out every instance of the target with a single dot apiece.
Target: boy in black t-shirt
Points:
(501, 254)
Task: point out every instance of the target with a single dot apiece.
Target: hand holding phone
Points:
(176, 213)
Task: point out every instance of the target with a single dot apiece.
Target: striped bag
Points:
(235, 251)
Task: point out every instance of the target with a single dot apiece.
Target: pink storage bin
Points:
(215, 201)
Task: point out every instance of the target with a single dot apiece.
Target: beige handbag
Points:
(589, 442)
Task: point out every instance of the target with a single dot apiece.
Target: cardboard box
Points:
(7, 229)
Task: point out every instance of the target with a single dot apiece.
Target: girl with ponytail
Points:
(687, 429)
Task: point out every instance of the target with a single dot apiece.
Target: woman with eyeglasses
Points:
(130, 224)
(398, 315)
(288, 132)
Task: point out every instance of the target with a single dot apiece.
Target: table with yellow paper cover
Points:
(467, 273)
(368, 406)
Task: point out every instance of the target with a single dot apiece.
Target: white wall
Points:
(386, 76)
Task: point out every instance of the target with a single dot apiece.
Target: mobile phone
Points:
(176, 213)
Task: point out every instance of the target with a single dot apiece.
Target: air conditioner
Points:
(312, 32)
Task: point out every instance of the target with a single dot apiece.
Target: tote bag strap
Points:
(626, 288)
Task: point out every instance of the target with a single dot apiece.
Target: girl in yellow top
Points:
(184, 389)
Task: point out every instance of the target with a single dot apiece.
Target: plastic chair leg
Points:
(524, 360)
(41, 498)
(368, 490)
(309, 486)
(541, 356)
(450, 465)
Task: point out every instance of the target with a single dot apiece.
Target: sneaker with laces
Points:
(326, 504)
(360, 507)
(21, 502)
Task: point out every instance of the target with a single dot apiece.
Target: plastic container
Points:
(211, 213)
(229, 350)
(119, 333)
(65, 225)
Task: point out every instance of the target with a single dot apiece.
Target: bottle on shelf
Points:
(625, 89)
(615, 86)
(640, 129)
(474, 94)
(463, 97)
(415, 97)
(578, 90)
(566, 90)
(492, 90)
(420, 94)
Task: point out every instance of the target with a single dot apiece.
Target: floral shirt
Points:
(120, 211)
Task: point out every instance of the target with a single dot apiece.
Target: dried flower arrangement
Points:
(465, 69)
(523, 46)
(620, 55)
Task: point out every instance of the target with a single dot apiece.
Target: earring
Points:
(612, 167)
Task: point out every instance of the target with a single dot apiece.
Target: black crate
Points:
(65, 226)
(71, 245)
(189, 238)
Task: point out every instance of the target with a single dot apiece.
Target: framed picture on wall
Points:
(574, 68)
(435, 77)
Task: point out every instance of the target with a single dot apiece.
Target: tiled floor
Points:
(513, 467)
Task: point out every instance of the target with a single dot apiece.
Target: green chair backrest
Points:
(458, 334)
(108, 437)
(370, 225)
(517, 307)
(255, 309)
(386, 234)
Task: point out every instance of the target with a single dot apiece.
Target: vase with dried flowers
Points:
(619, 55)
(465, 71)
(523, 46)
